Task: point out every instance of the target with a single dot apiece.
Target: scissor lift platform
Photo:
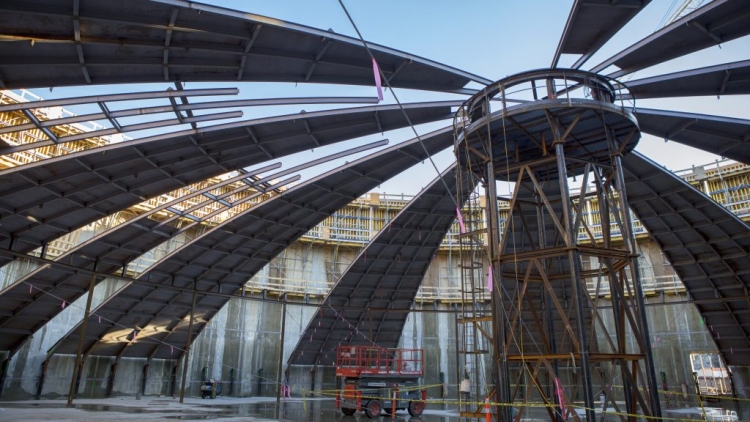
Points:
(377, 380)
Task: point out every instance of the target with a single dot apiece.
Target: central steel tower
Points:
(546, 146)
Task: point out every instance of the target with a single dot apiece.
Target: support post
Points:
(575, 279)
(42, 377)
(281, 354)
(635, 274)
(4, 373)
(112, 375)
(502, 387)
(145, 377)
(78, 367)
(186, 355)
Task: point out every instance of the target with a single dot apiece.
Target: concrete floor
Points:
(164, 409)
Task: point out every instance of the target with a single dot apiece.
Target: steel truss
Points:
(555, 348)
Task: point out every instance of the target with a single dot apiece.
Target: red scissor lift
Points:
(378, 380)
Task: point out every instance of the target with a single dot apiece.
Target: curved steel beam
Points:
(706, 244)
(722, 79)
(591, 24)
(717, 22)
(183, 41)
(226, 256)
(81, 187)
(725, 136)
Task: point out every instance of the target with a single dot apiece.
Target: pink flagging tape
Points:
(489, 279)
(559, 392)
(378, 84)
(460, 221)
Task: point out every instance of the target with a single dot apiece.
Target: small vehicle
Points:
(378, 381)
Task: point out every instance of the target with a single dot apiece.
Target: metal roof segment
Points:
(724, 136)
(224, 258)
(706, 244)
(717, 22)
(591, 24)
(386, 275)
(138, 41)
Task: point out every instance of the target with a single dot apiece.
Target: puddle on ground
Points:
(291, 411)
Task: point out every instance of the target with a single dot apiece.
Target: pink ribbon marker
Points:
(489, 279)
(460, 221)
(62, 305)
(376, 73)
(559, 392)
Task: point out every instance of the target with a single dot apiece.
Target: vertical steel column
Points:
(111, 379)
(78, 367)
(575, 278)
(281, 354)
(4, 373)
(458, 354)
(186, 355)
(42, 377)
(502, 387)
(145, 376)
(635, 274)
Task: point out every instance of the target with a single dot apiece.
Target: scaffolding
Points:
(554, 348)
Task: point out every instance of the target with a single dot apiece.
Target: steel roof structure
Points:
(591, 24)
(705, 243)
(94, 42)
(81, 187)
(370, 302)
(717, 22)
(47, 43)
(225, 257)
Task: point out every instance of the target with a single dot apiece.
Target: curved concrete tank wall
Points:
(242, 342)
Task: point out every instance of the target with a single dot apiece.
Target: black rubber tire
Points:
(373, 409)
(348, 411)
(416, 408)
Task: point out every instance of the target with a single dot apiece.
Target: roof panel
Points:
(79, 188)
(385, 275)
(719, 135)
(252, 239)
(681, 220)
(717, 22)
(724, 79)
(592, 23)
(133, 41)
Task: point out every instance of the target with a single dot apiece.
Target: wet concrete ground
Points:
(151, 409)
(166, 409)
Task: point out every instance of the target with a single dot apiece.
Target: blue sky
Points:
(492, 39)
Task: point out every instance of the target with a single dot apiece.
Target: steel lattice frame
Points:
(173, 43)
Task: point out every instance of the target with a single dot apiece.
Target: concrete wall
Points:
(243, 340)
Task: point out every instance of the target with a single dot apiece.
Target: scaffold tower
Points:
(557, 352)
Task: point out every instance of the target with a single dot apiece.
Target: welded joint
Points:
(77, 38)
(325, 44)
(31, 116)
(699, 26)
(167, 41)
(246, 51)
(680, 128)
(398, 70)
(310, 132)
(724, 83)
(108, 115)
